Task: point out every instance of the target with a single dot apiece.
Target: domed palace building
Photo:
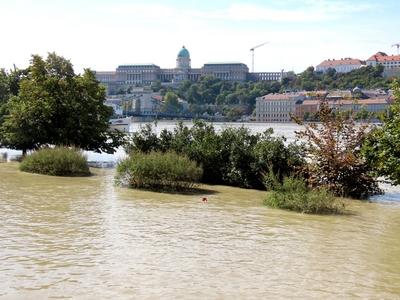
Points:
(146, 74)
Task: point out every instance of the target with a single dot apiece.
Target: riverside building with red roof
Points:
(281, 107)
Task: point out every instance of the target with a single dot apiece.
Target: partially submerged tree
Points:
(333, 151)
(54, 106)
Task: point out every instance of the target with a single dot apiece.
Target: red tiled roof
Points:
(157, 97)
(340, 62)
(382, 57)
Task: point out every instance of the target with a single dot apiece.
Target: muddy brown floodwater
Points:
(88, 239)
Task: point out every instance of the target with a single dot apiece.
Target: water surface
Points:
(85, 238)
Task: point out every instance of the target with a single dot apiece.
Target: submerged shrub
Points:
(293, 194)
(233, 156)
(158, 171)
(59, 161)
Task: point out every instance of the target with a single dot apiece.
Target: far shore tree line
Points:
(49, 105)
(234, 99)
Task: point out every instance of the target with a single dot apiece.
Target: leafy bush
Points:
(233, 156)
(294, 195)
(57, 161)
(382, 148)
(160, 171)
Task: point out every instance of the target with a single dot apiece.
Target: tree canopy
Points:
(55, 106)
(310, 80)
(171, 103)
(4, 92)
(382, 148)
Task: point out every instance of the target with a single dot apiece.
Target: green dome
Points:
(184, 52)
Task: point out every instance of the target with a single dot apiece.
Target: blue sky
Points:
(101, 34)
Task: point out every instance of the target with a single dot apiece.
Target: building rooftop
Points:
(137, 65)
(105, 72)
(281, 97)
(340, 94)
(340, 62)
(383, 57)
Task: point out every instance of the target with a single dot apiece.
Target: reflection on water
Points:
(86, 238)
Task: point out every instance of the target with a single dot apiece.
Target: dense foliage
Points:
(367, 77)
(333, 151)
(171, 103)
(159, 171)
(4, 89)
(54, 106)
(293, 194)
(210, 90)
(9, 86)
(234, 99)
(59, 161)
(233, 156)
(382, 148)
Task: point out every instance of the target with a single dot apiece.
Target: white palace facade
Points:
(146, 74)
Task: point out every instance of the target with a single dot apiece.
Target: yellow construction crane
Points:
(252, 54)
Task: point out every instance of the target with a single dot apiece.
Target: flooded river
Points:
(85, 238)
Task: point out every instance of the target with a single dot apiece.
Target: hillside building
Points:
(390, 62)
(146, 74)
(343, 65)
(381, 58)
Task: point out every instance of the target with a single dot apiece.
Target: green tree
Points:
(363, 114)
(4, 92)
(171, 103)
(234, 156)
(54, 106)
(382, 148)
(156, 86)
